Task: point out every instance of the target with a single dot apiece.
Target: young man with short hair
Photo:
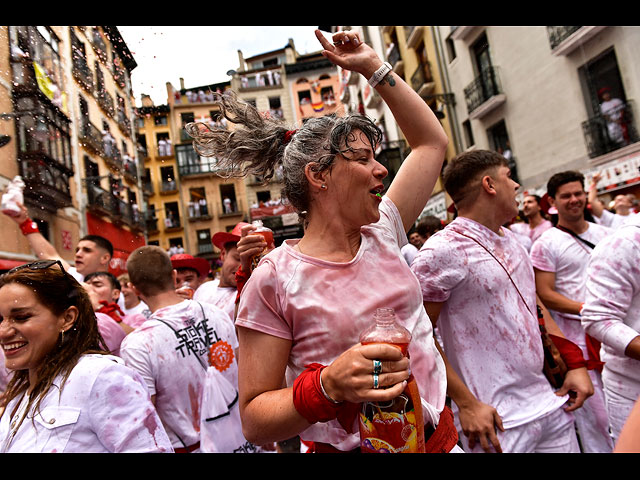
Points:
(478, 289)
(173, 348)
(560, 258)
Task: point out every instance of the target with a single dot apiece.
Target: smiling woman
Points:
(50, 340)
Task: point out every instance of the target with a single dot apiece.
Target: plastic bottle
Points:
(267, 234)
(396, 426)
(186, 289)
(13, 196)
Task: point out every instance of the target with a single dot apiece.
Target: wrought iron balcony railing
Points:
(483, 87)
(606, 133)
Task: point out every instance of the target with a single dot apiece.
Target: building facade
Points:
(537, 93)
(208, 199)
(69, 102)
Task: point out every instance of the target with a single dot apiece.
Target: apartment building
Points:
(68, 105)
(262, 80)
(208, 199)
(537, 93)
(160, 180)
(415, 55)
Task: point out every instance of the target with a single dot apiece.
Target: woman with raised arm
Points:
(302, 369)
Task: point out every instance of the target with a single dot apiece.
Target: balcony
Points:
(262, 78)
(422, 81)
(168, 187)
(199, 211)
(414, 35)
(152, 224)
(124, 123)
(90, 137)
(82, 73)
(130, 168)
(106, 102)
(190, 163)
(99, 200)
(205, 248)
(564, 40)
(484, 94)
(606, 134)
(46, 181)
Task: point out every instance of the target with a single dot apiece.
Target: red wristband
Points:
(308, 398)
(570, 352)
(241, 279)
(29, 226)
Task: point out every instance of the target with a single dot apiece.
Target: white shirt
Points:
(103, 407)
(409, 252)
(222, 297)
(611, 311)
(490, 337)
(567, 257)
(613, 220)
(170, 362)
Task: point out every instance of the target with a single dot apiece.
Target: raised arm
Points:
(40, 245)
(419, 172)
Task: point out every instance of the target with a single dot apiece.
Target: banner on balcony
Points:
(49, 88)
(318, 106)
(619, 173)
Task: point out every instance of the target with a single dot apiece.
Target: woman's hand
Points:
(249, 246)
(350, 53)
(350, 377)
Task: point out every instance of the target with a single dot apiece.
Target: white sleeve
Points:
(122, 414)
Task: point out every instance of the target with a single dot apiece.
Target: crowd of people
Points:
(267, 358)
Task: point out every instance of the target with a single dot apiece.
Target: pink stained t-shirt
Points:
(611, 311)
(558, 252)
(489, 336)
(322, 307)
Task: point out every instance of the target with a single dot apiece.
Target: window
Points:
(468, 134)
(160, 120)
(304, 97)
(228, 196)
(451, 49)
(204, 241)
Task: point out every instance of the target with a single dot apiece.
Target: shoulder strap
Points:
(576, 236)
(503, 267)
(174, 331)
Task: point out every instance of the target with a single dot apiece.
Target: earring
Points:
(323, 186)
(61, 337)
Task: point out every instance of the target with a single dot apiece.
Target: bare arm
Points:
(597, 206)
(419, 172)
(267, 408)
(545, 287)
(40, 245)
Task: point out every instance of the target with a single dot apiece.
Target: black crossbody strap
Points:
(576, 236)
(174, 331)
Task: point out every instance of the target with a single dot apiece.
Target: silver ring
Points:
(377, 366)
(375, 380)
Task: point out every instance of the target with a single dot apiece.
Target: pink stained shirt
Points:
(611, 311)
(489, 336)
(322, 307)
(558, 252)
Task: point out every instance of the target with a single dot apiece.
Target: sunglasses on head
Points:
(39, 265)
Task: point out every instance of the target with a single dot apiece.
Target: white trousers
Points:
(553, 433)
(618, 408)
(592, 420)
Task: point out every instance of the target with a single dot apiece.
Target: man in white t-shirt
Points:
(171, 349)
(560, 257)
(622, 207)
(536, 224)
(611, 314)
(131, 303)
(224, 291)
(478, 288)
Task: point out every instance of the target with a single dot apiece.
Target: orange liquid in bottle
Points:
(396, 426)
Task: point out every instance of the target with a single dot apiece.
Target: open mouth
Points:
(378, 191)
(13, 347)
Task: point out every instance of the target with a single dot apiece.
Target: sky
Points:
(201, 54)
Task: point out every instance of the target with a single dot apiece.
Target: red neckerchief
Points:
(111, 309)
